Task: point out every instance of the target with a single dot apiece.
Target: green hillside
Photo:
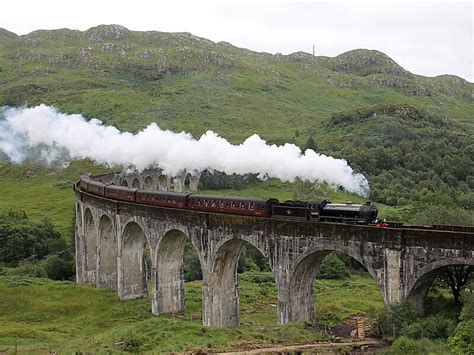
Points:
(410, 135)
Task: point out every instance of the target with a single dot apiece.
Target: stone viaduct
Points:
(155, 179)
(112, 238)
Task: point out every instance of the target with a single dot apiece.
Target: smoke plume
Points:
(45, 134)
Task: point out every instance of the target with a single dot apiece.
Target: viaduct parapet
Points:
(112, 238)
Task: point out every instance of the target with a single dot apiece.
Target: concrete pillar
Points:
(220, 293)
(163, 183)
(90, 247)
(178, 184)
(132, 280)
(169, 274)
(107, 254)
(392, 286)
(296, 297)
(194, 182)
(79, 245)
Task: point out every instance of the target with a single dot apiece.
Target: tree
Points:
(456, 278)
(333, 268)
(462, 340)
(311, 144)
(57, 268)
(21, 238)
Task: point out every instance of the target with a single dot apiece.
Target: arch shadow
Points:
(136, 183)
(148, 183)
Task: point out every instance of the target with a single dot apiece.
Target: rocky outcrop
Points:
(105, 33)
(365, 62)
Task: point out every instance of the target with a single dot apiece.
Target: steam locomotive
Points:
(313, 210)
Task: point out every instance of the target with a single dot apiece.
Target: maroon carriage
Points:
(229, 204)
(161, 198)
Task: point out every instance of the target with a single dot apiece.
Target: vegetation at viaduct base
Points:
(410, 135)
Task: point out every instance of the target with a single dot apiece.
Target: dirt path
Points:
(309, 347)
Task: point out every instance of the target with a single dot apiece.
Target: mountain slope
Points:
(184, 82)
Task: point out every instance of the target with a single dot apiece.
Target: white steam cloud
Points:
(45, 134)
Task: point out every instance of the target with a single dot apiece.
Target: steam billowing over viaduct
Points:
(112, 238)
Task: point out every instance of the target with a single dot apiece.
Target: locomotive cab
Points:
(315, 207)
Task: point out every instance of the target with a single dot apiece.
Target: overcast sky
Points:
(425, 37)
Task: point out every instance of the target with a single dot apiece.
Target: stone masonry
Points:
(113, 239)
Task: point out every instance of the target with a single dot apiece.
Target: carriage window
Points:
(213, 203)
(222, 204)
(251, 206)
(234, 205)
(198, 202)
(242, 205)
(205, 203)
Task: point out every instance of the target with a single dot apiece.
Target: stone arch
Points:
(90, 247)
(79, 247)
(302, 278)
(169, 276)
(136, 183)
(162, 183)
(420, 282)
(187, 182)
(133, 268)
(124, 183)
(108, 250)
(148, 183)
(221, 298)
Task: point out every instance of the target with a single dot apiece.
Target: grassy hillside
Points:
(410, 135)
(40, 315)
(188, 83)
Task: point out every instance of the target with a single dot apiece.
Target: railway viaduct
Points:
(112, 238)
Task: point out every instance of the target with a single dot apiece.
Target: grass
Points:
(42, 192)
(37, 315)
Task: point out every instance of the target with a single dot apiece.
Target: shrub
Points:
(404, 345)
(29, 267)
(192, 265)
(21, 238)
(258, 277)
(462, 340)
(397, 318)
(57, 268)
(333, 268)
(434, 327)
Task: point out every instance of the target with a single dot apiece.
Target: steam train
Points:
(313, 210)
